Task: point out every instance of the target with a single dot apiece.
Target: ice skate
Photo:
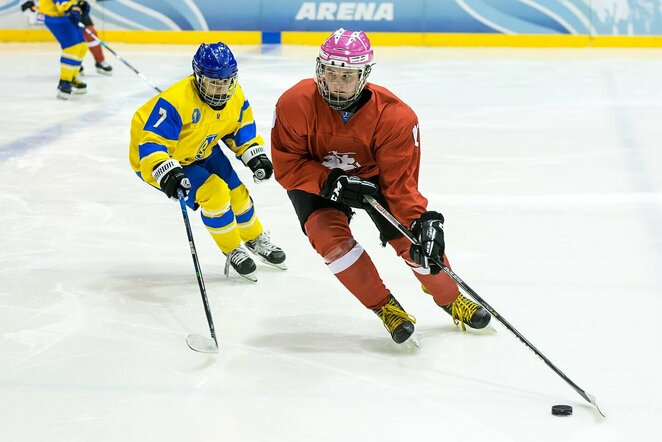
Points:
(81, 71)
(64, 90)
(465, 312)
(398, 323)
(241, 263)
(78, 87)
(104, 68)
(267, 252)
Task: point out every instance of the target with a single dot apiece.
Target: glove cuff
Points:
(27, 6)
(252, 152)
(430, 216)
(330, 180)
(161, 169)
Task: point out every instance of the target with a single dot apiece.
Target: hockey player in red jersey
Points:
(100, 63)
(337, 138)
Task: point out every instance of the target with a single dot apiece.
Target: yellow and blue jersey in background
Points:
(56, 8)
(67, 33)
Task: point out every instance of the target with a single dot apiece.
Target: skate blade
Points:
(487, 330)
(281, 266)
(102, 72)
(63, 96)
(250, 276)
(490, 329)
(201, 344)
(80, 91)
(414, 342)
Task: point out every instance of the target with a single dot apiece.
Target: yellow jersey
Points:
(177, 124)
(56, 8)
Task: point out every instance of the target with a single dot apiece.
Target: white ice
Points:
(546, 163)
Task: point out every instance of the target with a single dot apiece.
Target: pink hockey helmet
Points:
(341, 54)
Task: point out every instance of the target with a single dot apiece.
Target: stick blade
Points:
(594, 402)
(201, 344)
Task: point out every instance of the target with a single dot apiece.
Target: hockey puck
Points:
(561, 410)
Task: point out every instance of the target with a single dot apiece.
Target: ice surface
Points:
(546, 163)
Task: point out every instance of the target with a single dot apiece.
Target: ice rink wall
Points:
(538, 23)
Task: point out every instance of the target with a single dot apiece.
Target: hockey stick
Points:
(103, 43)
(385, 213)
(197, 342)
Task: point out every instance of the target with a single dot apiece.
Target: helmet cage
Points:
(215, 91)
(334, 100)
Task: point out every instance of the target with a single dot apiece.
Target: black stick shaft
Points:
(385, 213)
(103, 43)
(196, 264)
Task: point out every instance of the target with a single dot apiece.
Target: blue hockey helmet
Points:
(215, 71)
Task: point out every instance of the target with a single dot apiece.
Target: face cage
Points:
(214, 100)
(335, 102)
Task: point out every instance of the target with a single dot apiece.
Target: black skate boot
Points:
(396, 320)
(78, 86)
(241, 263)
(104, 68)
(464, 311)
(81, 71)
(64, 90)
(267, 252)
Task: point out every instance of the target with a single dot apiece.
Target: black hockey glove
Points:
(29, 5)
(74, 14)
(256, 160)
(429, 231)
(347, 189)
(84, 7)
(170, 177)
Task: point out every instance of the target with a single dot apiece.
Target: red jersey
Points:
(309, 139)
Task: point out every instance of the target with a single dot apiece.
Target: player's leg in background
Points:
(94, 45)
(73, 50)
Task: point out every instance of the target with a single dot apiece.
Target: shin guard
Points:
(329, 234)
(442, 288)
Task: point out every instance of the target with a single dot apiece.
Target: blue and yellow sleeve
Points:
(156, 138)
(245, 134)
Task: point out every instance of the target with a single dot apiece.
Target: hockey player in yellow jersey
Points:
(175, 146)
(62, 17)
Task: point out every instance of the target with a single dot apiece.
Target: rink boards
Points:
(378, 38)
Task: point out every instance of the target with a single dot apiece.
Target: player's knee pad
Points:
(401, 246)
(213, 196)
(240, 199)
(75, 52)
(329, 234)
(442, 287)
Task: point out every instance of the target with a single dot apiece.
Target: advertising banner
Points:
(529, 17)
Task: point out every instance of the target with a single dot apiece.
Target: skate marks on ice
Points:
(373, 375)
(42, 321)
